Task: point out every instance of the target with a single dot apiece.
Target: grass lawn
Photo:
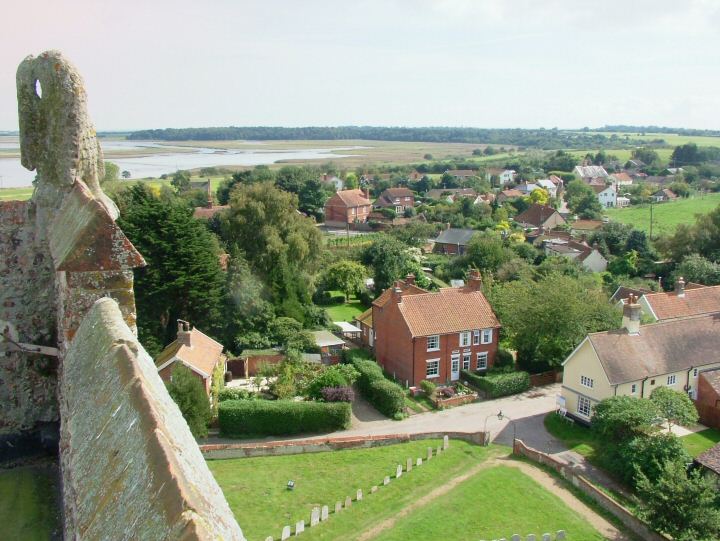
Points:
(256, 487)
(346, 311)
(578, 438)
(494, 503)
(28, 506)
(699, 442)
(666, 216)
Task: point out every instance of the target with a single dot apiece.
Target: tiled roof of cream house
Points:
(447, 311)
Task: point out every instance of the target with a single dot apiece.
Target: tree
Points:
(702, 237)
(427, 157)
(289, 333)
(645, 155)
(389, 259)
(687, 154)
(581, 200)
(684, 506)
(539, 196)
(561, 161)
(621, 418)
(112, 172)
(183, 278)
(126, 174)
(695, 268)
(647, 455)
(189, 394)
(625, 265)
(486, 251)
(181, 181)
(674, 406)
(346, 276)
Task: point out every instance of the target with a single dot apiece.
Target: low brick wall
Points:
(544, 378)
(319, 445)
(632, 522)
(457, 400)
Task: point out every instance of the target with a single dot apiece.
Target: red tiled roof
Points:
(698, 300)
(203, 354)
(407, 289)
(349, 198)
(597, 188)
(208, 212)
(512, 193)
(622, 177)
(535, 215)
(449, 310)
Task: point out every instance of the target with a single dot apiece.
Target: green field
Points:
(256, 491)
(671, 139)
(699, 442)
(666, 216)
(28, 505)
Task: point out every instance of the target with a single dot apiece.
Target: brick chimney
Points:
(680, 287)
(410, 279)
(474, 282)
(397, 292)
(631, 316)
(366, 193)
(209, 203)
(183, 333)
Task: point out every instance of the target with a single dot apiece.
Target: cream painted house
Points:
(635, 360)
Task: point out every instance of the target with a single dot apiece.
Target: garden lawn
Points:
(494, 503)
(576, 437)
(699, 442)
(346, 311)
(28, 506)
(666, 216)
(256, 489)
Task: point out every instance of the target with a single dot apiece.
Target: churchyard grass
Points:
(256, 489)
(699, 442)
(494, 503)
(28, 507)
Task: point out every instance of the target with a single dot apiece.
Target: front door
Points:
(455, 367)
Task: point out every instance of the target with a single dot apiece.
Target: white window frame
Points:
(455, 361)
(436, 339)
(633, 388)
(436, 372)
(584, 407)
(465, 339)
(476, 337)
(671, 379)
(466, 360)
(482, 355)
(487, 336)
(587, 382)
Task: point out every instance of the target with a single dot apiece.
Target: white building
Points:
(607, 195)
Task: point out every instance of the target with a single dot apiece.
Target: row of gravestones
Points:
(559, 536)
(321, 514)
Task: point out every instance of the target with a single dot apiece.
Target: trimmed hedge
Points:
(499, 384)
(387, 397)
(281, 417)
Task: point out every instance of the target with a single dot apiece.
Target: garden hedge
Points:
(387, 397)
(499, 384)
(281, 417)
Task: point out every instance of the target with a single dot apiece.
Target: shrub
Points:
(338, 394)
(281, 417)
(189, 394)
(340, 375)
(499, 383)
(233, 393)
(648, 455)
(387, 397)
(504, 358)
(428, 387)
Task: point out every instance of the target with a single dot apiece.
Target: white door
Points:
(455, 367)
(372, 338)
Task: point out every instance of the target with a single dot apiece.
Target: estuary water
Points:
(14, 175)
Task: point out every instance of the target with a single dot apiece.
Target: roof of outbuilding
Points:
(660, 348)
(710, 459)
(697, 300)
(326, 338)
(446, 311)
(203, 354)
(455, 236)
(589, 171)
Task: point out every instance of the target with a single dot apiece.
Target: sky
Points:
(474, 63)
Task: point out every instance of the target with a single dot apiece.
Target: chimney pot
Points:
(410, 279)
(680, 287)
(474, 280)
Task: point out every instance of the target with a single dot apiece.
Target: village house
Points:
(548, 185)
(685, 300)
(540, 217)
(621, 179)
(663, 195)
(333, 181)
(526, 188)
(461, 174)
(589, 257)
(347, 207)
(453, 241)
(196, 350)
(504, 176)
(606, 194)
(635, 360)
(508, 195)
(588, 172)
(433, 336)
(397, 199)
(585, 227)
(210, 209)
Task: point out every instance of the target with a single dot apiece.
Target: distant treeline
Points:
(657, 129)
(535, 138)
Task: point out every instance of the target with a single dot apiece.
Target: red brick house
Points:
(347, 207)
(200, 353)
(397, 199)
(421, 335)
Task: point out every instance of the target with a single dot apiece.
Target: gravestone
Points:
(269, 538)
(299, 527)
(285, 533)
(338, 507)
(358, 495)
(429, 455)
(439, 450)
(419, 462)
(386, 481)
(348, 502)
(398, 471)
(314, 516)
(373, 489)
(560, 535)
(446, 442)
(408, 467)
(515, 537)
(531, 537)
(546, 537)
(324, 513)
